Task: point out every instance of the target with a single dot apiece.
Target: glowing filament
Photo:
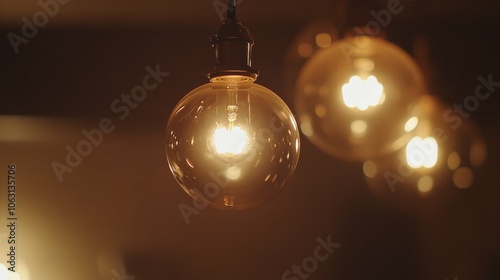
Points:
(361, 94)
(422, 152)
(230, 142)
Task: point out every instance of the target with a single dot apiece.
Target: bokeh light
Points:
(441, 156)
(354, 99)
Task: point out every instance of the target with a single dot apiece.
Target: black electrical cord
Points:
(231, 10)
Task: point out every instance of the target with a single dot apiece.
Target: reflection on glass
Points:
(361, 94)
(323, 40)
(358, 128)
(411, 124)
(233, 173)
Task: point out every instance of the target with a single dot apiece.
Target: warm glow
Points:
(364, 64)
(422, 152)
(370, 169)
(411, 124)
(358, 128)
(425, 184)
(230, 142)
(233, 173)
(361, 94)
(320, 110)
(3, 272)
(305, 50)
(463, 177)
(453, 161)
(323, 40)
(306, 128)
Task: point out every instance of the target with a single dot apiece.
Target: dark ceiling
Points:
(119, 207)
(176, 13)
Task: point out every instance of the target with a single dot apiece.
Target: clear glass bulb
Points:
(354, 98)
(232, 141)
(442, 152)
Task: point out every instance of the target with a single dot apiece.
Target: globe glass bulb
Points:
(354, 98)
(232, 142)
(442, 153)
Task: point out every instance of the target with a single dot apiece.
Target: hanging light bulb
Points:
(354, 98)
(231, 141)
(440, 154)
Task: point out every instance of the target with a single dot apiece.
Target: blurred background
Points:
(116, 214)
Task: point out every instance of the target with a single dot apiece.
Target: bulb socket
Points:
(233, 51)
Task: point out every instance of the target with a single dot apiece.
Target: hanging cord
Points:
(231, 10)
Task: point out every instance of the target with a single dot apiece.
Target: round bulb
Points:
(232, 142)
(354, 98)
(441, 153)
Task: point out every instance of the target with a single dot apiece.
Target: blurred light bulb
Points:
(365, 88)
(440, 156)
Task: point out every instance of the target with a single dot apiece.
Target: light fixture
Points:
(231, 141)
(442, 152)
(353, 99)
